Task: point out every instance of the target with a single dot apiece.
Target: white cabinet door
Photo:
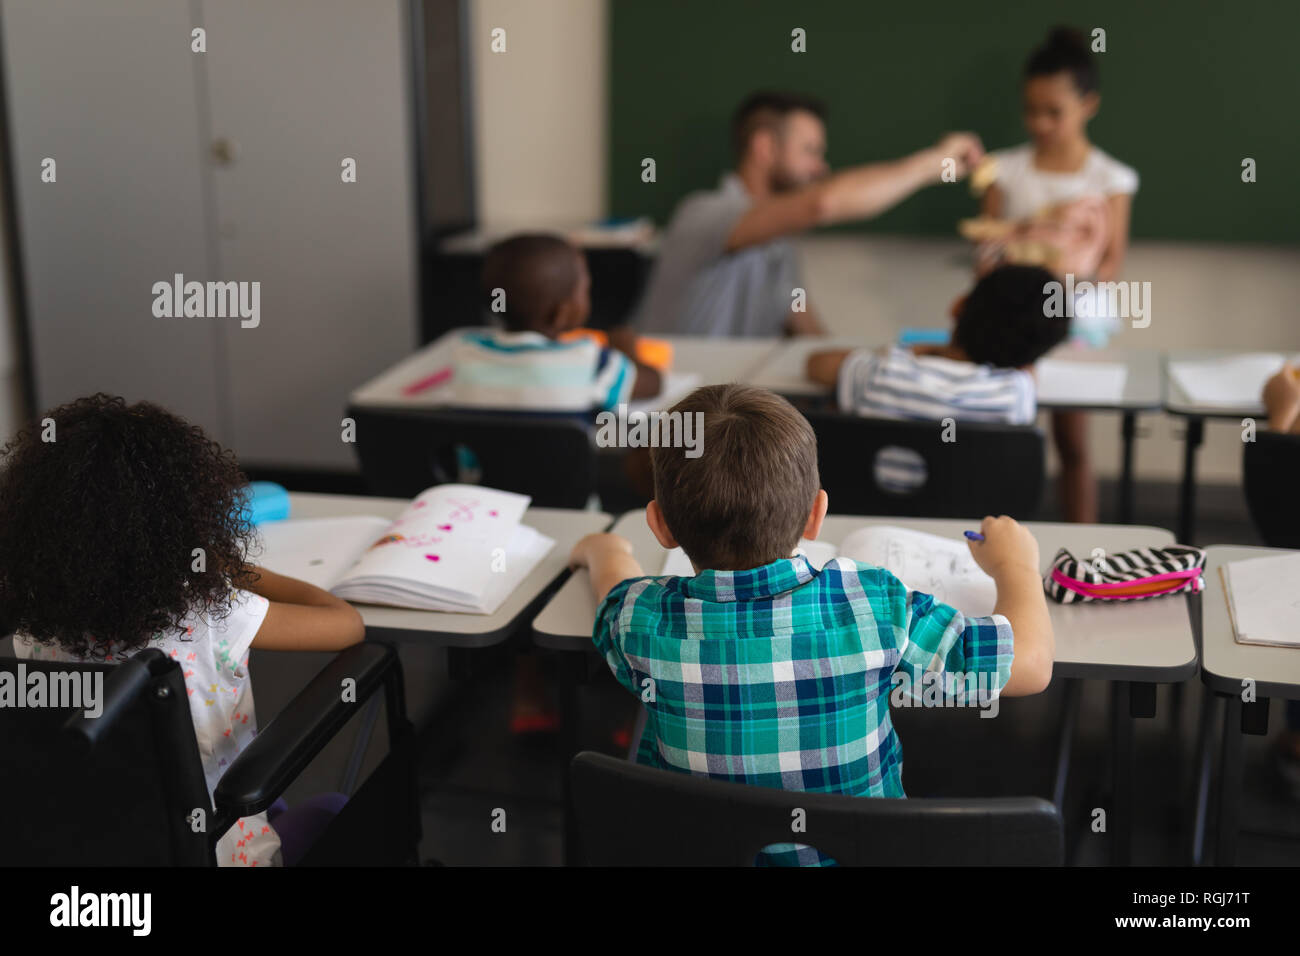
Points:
(108, 91)
(295, 87)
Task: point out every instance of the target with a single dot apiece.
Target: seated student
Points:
(982, 375)
(542, 289)
(766, 671)
(97, 562)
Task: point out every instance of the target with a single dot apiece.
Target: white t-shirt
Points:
(213, 655)
(1026, 189)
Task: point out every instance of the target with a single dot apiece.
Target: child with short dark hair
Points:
(124, 530)
(1002, 327)
(764, 670)
(540, 286)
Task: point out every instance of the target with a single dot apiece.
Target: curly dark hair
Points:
(102, 505)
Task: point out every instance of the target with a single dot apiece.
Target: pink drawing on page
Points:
(433, 557)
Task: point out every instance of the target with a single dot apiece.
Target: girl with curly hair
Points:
(124, 528)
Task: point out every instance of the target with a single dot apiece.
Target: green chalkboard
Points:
(1189, 90)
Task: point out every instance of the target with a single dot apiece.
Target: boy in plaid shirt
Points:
(763, 670)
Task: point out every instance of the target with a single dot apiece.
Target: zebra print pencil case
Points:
(1126, 575)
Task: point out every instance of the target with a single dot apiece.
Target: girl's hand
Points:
(1282, 398)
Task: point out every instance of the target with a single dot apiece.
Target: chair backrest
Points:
(402, 453)
(1269, 467)
(114, 789)
(971, 468)
(627, 814)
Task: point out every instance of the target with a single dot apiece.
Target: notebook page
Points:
(1233, 381)
(1263, 597)
(942, 567)
(317, 550)
(1081, 383)
(444, 543)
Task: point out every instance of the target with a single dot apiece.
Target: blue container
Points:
(267, 501)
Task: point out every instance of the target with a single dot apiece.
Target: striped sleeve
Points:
(854, 382)
(614, 377)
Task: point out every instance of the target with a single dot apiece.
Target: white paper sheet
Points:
(317, 550)
(1263, 596)
(1234, 381)
(942, 567)
(1080, 383)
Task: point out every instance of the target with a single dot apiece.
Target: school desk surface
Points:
(714, 360)
(449, 628)
(1142, 641)
(783, 372)
(1225, 664)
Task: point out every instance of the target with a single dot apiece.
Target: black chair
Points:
(121, 788)
(626, 814)
(1269, 467)
(404, 452)
(988, 469)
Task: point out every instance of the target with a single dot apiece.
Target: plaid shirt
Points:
(780, 676)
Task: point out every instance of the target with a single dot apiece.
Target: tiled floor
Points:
(473, 767)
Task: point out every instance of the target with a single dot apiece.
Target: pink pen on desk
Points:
(428, 382)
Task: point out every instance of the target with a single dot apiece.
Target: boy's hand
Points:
(609, 559)
(1007, 547)
(591, 548)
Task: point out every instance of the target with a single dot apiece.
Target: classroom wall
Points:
(539, 110)
(1188, 90)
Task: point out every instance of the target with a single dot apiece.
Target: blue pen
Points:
(974, 535)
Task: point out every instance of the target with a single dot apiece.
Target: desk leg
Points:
(1187, 503)
(1204, 760)
(1121, 815)
(1225, 850)
(1128, 431)
(1065, 739)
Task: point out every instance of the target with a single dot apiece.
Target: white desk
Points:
(1225, 667)
(715, 361)
(1178, 402)
(448, 628)
(1145, 641)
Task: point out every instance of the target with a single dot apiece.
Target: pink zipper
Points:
(1177, 580)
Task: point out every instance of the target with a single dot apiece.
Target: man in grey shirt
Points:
(725, 264)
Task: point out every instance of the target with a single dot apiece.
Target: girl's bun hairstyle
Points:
(1066, 50)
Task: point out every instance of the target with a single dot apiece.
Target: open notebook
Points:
(942, 567)
(1263, 596)
(454, 548)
